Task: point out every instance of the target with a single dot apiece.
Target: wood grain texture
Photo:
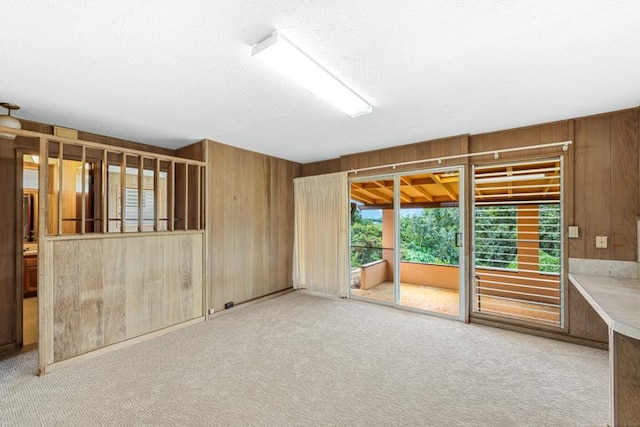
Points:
(625, 376)
(109, 290)
(321, 167)
(624, 175)
(249, 224)
(8, 313)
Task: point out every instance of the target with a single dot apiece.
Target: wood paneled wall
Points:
(107, 290)
(606, 185)
(8, 297)
(249, 224)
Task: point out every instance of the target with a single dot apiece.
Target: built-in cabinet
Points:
(30, 275)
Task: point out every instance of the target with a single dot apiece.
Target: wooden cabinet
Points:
(30, 276)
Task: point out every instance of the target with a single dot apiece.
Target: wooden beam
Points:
(403, 196)
(376, 194)
(424, 192)
(361, 198)
(445, 187)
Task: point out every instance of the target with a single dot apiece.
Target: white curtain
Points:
(320, 258)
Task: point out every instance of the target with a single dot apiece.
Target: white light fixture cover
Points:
(298, 66)
(8, 121)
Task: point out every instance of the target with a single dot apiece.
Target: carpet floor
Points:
(308, 359)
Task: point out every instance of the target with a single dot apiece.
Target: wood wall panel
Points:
(321, 167)
(8, 304)
(118, 288)
(624, 175)
(625, 380)
(250, 224)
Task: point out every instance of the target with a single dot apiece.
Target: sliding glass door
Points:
(373, 239)
(406, 240)
(431, 241)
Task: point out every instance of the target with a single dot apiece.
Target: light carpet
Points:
(307, 359)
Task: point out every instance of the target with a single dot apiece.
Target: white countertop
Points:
(617, 300)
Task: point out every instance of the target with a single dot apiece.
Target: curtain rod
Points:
(496, 155)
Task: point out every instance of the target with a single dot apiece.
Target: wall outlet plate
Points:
(212, 310)
(574, 232)
(601, 242)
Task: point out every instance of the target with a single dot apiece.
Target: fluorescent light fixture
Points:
(511, 178)
(298, 66)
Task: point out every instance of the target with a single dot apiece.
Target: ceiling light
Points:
(511, 178)
(298, 66)
(8, 121)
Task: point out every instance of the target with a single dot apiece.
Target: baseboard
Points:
(541, 333)
(250, 302)
(118, 346)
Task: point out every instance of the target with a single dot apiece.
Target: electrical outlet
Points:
(574, 233)
(601, 242)
(212, 310)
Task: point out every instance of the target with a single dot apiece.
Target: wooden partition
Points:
(101, 291)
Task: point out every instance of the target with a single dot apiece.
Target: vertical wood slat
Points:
(156, 193)
(83, 195)
(186, 196)
(123, 197)
(104, 224)
(140, 193)
(171, 189)
(45, 305)
(60, 185)
(199, 196)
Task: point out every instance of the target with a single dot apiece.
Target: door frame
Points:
(463, 266)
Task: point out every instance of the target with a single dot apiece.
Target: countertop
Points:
(617, 300)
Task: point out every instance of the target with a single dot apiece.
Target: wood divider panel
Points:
(120, 288)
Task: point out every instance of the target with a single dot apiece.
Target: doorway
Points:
(27, 250)
(406, 240)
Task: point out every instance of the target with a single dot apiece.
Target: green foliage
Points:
(366, 240)
(495, 234)
(429, 236)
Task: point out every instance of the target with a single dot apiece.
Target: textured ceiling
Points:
(170, 73)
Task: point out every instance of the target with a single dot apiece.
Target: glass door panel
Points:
(430, 241)
(372, 239)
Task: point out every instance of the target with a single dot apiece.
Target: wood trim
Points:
(140, 193)
(19, 280)
(60, 183)
(186, 196)
(119, 346)
(90, 144)
(45, 291)
(83, 196)
(104, 224)
(156, 199)
(90, 236)
(199, 196)
(171, 189)
(123, 197)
